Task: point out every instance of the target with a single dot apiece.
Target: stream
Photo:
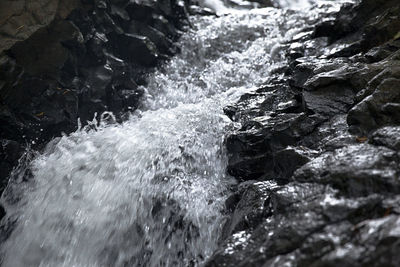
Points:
(151, 191)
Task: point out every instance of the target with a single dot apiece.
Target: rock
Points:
(252, 207)
(251, 149)
(20, 19)
(387, 136)
(276, 235)
(322, 143)
(10, 152)
(332, 100)
(287, 160)
(137, 49)
(372, 113)
(163, 43)
(356, 170)
(378, 233)
(305, 223)
(329, 135)
(362, 26)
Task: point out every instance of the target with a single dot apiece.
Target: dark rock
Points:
(10, 152)
(362, 25)
(20, 19)
(252, 207)
(253, 147)
(356, 170)
(163, 43)
(137, 49)
(290, 159)
(305, 223)
(329, 135)
(380, 234)
(332, 100)
(372, 113)
(279, 234)
(326, 136)
(387, 136)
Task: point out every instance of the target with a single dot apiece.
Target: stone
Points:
(329, 155)
(370, 113)
(356, 170)
(387, 136)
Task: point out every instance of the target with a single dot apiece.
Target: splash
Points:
(149, 192)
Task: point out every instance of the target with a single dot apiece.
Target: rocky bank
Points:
(317, 154)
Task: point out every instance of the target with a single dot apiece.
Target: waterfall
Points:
(151, 191)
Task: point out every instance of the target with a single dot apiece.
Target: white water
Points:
(150, 192)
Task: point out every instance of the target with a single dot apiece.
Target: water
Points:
(149, 192)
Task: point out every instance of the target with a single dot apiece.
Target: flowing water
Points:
(150, 192)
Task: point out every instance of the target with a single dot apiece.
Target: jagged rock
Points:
(252, 148)
(163, 43)
(332, 100)
(362, 25)
(279, 234)
(355, 170)
(138, 49)
(378, 109)
(335, 202)
(304, 223)
(287, 160)
(329, 135)
(252, 207)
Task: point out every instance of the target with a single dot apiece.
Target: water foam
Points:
(151, 191)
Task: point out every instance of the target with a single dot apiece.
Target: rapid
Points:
(151, 191)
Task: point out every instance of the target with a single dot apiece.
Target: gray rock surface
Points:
(317, 156)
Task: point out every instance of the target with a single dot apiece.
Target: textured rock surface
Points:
(319, 150)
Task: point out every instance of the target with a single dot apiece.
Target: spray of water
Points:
(149, 192)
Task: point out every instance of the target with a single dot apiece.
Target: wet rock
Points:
(20, 19)
(332, 150)
(329, 135)
(280, 233)
(98, 80)
(332, 100)
(387, 136)
(356, 170)
(10, 152)
(252, 148)
(163, 43)
(305, 223)
(138, 49)
(290, 159)
(380, 234)
(379, 53)
(362, 25)
(374, 111)
(252, 207)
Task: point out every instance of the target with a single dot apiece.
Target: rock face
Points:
(60, 60)
(317, 155)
